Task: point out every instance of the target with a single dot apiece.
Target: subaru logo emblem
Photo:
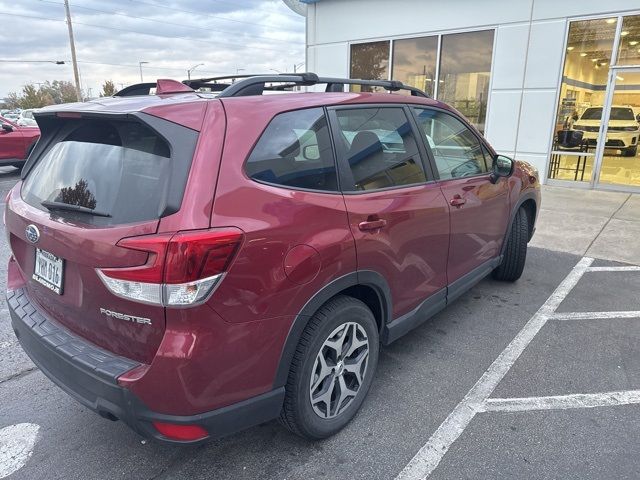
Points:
(32, 233)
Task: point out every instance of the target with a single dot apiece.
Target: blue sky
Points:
(112, 36)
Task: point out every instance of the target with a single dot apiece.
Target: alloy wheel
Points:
(339, 370)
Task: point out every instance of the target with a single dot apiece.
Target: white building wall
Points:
(528, 52)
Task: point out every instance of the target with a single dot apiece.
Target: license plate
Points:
(49, 270)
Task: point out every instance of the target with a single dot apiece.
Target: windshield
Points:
(121, 169)
(617, 113)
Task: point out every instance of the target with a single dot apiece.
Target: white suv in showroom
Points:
(623, 131)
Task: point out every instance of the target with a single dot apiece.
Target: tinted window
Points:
(295, 151)
(465, 72)
(122, 169)
(617, 113)
(380, 148)
(456, 150)
(369, 61)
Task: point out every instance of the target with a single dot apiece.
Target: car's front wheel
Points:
(630, 152)
(332, 369)
(515, 252)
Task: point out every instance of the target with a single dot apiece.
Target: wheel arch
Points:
(367, 286)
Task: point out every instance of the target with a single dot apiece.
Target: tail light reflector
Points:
(182, 269)
(181, 432)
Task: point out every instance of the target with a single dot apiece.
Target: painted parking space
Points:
(481, 400)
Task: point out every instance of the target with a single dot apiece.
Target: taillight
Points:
(182, 269)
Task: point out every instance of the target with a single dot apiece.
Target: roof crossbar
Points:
(244, 85)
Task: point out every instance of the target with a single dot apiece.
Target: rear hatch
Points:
(96, 179)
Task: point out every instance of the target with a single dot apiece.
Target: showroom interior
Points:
(557, 85)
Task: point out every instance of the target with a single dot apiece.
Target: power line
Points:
(208, 29)
(207, 42)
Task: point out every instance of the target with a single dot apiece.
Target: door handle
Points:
(374, 224)
(457, 201)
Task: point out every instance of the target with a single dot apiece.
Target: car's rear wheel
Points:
(515, 254)
(332, 369)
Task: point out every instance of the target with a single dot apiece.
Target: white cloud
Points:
(225, 35)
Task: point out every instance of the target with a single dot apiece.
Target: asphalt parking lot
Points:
(516, 380)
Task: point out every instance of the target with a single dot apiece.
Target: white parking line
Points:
(16, 446)
(562, 402)
(630, 268)
(595, 315)
(430, 455)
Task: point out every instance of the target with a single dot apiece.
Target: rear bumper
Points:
(90, 375)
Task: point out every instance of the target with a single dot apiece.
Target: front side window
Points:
(295, 151)
(456, 150)
(380, 148)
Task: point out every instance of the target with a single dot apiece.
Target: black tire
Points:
(297, 413)
(515, 254)
(630, 152)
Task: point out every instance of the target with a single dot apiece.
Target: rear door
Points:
(11, 142)
(479, 208)
(100, 180)
(397, 213)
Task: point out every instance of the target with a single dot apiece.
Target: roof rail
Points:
(244, 85)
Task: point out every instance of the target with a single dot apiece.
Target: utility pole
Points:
(76, 76)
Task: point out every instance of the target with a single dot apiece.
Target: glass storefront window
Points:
(369, 61)
(414, 62)
(621, 157)
(465, 71)
(582, 95)
(629, 50)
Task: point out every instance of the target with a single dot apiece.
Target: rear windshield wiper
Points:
(72, 208)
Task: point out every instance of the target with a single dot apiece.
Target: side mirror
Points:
(502, 167)
(311, 152)
(638, 118)
(7, 128)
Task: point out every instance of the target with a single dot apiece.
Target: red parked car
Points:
(16, 142)
(197, 263)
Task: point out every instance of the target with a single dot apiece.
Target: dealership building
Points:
(555, 83)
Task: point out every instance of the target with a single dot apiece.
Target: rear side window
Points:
(295, 151)
(380, 148)
(121, 169)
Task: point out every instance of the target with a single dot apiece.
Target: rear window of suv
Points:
(121, 169)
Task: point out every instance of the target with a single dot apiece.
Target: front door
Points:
(619, 157)
(479, 209)
(397, 213)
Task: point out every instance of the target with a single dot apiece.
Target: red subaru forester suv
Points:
(197, 262)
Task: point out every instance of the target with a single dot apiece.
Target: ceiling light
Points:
(594, 59)
(583, 54)
(633, 42)
(611, 20)
(618, 77)
(625, 33)
(604, 64)
(570, 48)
